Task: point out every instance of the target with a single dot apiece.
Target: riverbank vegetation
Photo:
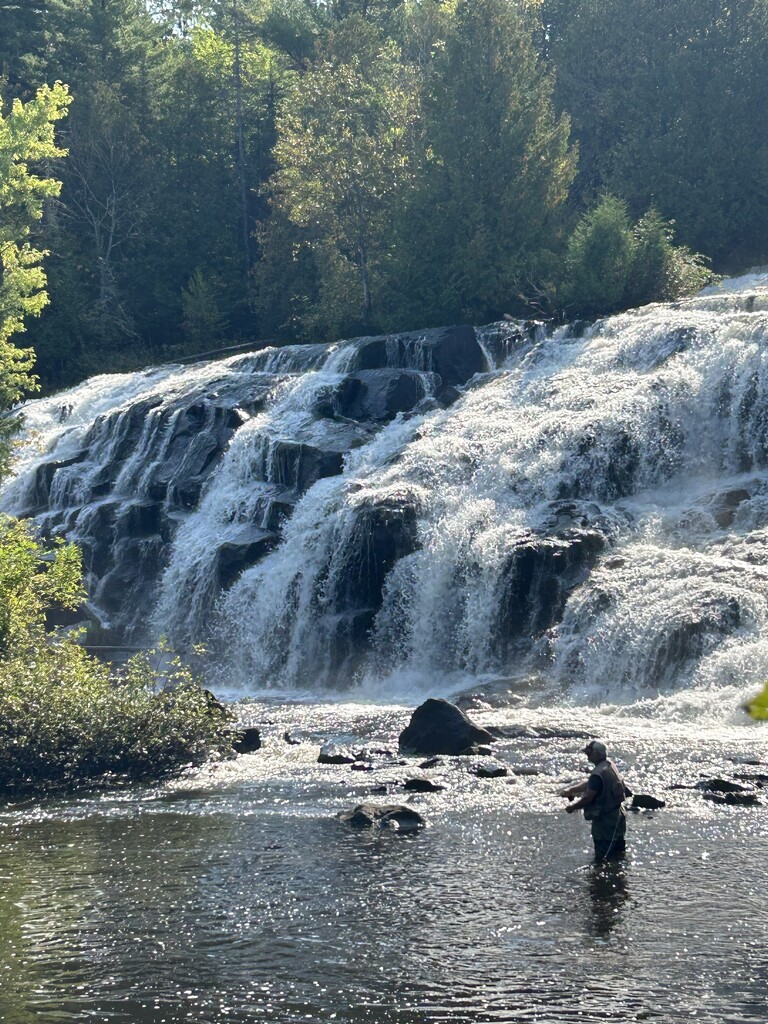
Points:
(65, 717)
(290, 169)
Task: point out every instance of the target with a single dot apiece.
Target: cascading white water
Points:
(652, 415)
(593, 510)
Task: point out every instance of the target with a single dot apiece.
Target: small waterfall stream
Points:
(586, 509)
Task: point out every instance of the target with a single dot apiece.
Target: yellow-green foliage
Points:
(66, 718)
(26, 138)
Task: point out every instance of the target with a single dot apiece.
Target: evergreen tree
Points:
(497, 171)
(669, 104)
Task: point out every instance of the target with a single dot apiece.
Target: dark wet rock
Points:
(476, 751)
(279, 507)
(377, 395)
(758, 779)
(331, 753)
(689, 635)
(383, 532)
(525, 770)
(380, 534)
(727, 505)
(447, 397)
(733, 799)
(451, 352)
(387, 816)
(537, 578)
(361, 766)
(378, 790)
(719, 786)
(240, 551)
(417, 785)
(296, 466)
(742, 799)
(439, 727)
(431, 762)
(489, 770)
(539, 732)
(246, 740)
(40, 490)
(513, 732)
(643, 801)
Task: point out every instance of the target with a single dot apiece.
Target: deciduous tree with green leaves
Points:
(343, 154)
(27, 144)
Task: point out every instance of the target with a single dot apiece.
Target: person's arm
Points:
(576, 790)
(587, 796)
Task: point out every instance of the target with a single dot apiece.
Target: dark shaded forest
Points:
(273, 170)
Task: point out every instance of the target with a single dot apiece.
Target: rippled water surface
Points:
(235, 894)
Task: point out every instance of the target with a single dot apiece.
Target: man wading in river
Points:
(601, 796)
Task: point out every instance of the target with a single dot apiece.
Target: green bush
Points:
(66, 718)
(612, 265)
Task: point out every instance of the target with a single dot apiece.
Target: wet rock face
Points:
(439, 727)
(377, 395)
(451, 352)
(544, 568)
(143, 467)
(383, 532)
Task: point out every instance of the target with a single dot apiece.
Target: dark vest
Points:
(612, 795)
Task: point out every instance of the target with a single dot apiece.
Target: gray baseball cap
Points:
(596, 747)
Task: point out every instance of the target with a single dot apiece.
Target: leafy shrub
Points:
(612, 265)
(65, 717)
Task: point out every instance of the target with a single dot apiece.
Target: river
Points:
(235, 894)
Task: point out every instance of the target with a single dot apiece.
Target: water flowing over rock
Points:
(587, 505)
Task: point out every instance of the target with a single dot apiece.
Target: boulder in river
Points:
(719, 786)
(330, 753)
(489, 770)
(439, 727)
(246, 740)
(420, 785)
(390, 816)
(643, 801)
(734, 799)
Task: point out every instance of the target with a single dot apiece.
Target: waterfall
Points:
(588, 507)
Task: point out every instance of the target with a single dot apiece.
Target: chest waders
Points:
(606, 812)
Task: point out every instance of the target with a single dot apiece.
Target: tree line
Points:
(241, 170)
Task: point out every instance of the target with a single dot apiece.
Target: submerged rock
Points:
(417, 785)
(489, 770)
(246, 740)
(734, 799)
(719, 786)
(642, 801)
(386, 816)
(439, 727)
